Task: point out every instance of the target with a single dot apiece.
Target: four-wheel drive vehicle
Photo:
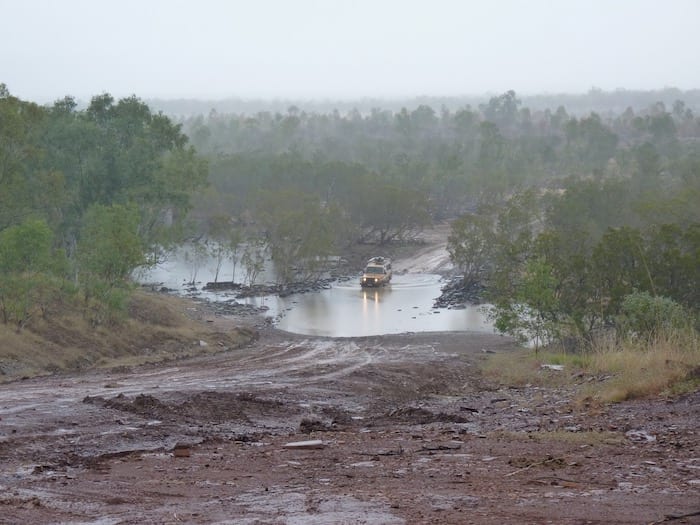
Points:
(377, 272)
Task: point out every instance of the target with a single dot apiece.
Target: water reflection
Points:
(348, 310)
(179, 269)
(371, 311)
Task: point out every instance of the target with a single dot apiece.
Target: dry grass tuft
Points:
(665, 366)
(526, 368)
(668, 365)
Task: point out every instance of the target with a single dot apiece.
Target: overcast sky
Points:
(344, 49)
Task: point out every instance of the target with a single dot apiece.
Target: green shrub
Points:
(646, 316)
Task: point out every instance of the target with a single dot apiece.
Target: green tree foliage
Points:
(373, 208)
(612, 207)
(104, 184)
(533, 312)
(672, 258)
(470, 245)
(196, 254)
(592, 274)
(142, 159)
(226, 240)
(454, 158)
(56, 162)
(590, 141)
(487, 246)
(298, 230)
(109, 250)
(579, 292)
(648, 316)
(620, 263)
(386, 211)
(26, 247)
(516, 221)
(30, 271)
(253, 259)
(590, 207)
(19, 125)
(502, 110)
(110, 247)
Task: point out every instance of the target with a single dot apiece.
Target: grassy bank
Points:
(157, 328)
(610, 371)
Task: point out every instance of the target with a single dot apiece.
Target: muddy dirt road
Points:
(410, 433)
(399, 429)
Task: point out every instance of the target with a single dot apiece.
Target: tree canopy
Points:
(99, 185)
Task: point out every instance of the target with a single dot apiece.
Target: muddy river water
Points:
(405, 305)
(345, 309)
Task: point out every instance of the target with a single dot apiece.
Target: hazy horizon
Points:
(312, 49)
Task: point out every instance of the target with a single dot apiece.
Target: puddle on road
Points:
(294, 506)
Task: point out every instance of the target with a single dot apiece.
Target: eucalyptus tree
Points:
(142, 158)
(226, 238)
(533, 312)
(590, 143)
(503, 111)
(19, 122)
(30, 270)
(385, 211)
(470, 246)
(110, 247)
(298, 230)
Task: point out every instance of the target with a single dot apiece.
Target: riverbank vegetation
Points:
(85, 196)
(577, 227)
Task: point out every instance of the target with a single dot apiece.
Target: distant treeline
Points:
(454, 159)
(596, 100)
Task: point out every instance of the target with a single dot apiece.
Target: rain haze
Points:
(333, 49)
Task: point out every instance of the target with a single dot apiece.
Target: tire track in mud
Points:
(317, 361)
(45, 420)
(270, 387)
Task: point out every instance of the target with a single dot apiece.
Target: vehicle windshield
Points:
(374, 269)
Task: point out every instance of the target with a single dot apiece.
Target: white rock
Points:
(311, 444)
(558, 368)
